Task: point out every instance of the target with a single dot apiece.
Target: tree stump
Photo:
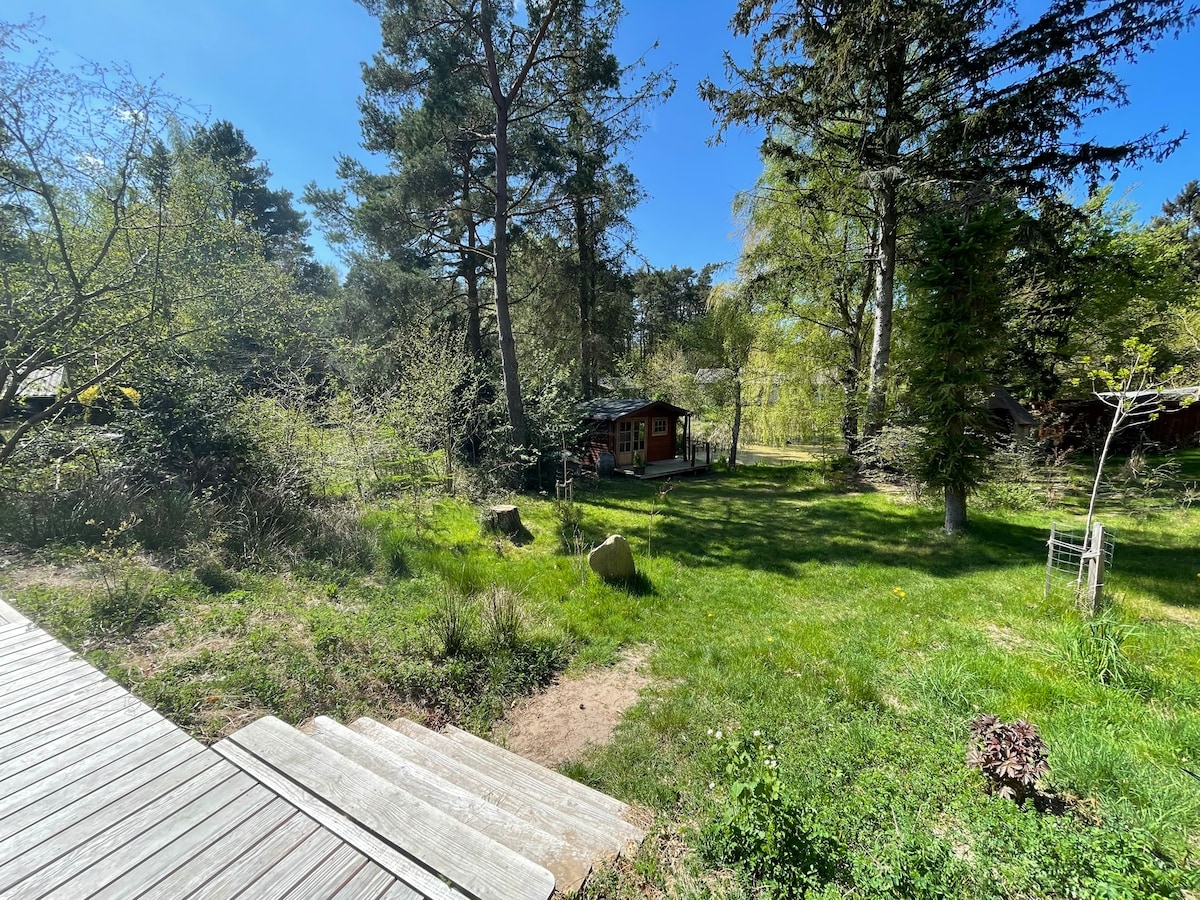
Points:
(504, 518)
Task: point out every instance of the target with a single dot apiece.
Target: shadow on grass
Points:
(774, 528)
(1166, 571)
(780, 519)
(638, 585)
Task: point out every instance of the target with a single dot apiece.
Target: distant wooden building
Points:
(627, 429)
(1083, 423)
(42, 388)
(1009, 415)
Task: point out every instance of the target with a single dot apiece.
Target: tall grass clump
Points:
(1096, 651)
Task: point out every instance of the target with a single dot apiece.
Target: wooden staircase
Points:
(450, 814)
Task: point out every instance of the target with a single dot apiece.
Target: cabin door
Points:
(631, 441)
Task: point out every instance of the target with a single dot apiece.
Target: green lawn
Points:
(842, 625)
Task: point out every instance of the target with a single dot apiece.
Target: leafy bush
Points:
(894, 451)
(213, 574)
(1011, 756)
(772, 840)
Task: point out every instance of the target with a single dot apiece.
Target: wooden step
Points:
(525, 775)
(559, 814)
(358, 839)
(569, 867)
(394, 816)
(10, 616)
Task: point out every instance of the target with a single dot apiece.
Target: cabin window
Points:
(631, 436)
(660, 426)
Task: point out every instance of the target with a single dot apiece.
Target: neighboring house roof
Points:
(612, 408)
(45, 383)
(1002, 401)
(616, 385)
(712, 376)
(1179, 393)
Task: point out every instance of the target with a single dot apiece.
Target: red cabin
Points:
(631, 428)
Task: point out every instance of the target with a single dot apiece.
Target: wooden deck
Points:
(100, 796)
(667, 468)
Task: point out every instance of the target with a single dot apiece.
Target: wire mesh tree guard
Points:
(1076, 561)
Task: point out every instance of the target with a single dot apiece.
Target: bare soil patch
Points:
(1007, 639)
(22, 574)
(574, 713)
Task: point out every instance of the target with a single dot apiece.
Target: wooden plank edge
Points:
(379, 851)
(467, 858)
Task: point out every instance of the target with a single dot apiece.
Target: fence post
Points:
(1095, 573)
(1049, 558)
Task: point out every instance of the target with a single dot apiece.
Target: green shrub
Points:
(214, 576)
(774, 842)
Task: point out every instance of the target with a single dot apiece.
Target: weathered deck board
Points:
(119, 851)
(60, 856)
(566, 863)
(102, 796)
(83, 757)
(81, 798)
(52, 731)
(8, 615)
(387, 855)
(311, 853)
(368, 883)
(331, 876)
(67, 673)
(561, 815)
(15, 637)
(532, 779)
(465, 857)
(53, 703)
(191, 830)
(230, 864)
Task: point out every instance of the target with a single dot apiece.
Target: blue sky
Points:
(287, 73)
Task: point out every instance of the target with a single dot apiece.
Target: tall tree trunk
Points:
(470, 270)
(508, 346)
(956, 509)
(587, 297)
(885, 292)
(850, 410)
(737, 420)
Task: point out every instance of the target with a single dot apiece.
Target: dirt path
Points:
(574, 713)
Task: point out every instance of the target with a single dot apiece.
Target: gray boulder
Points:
(613, 560)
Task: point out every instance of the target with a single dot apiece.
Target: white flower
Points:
(718, 735)
(710, 732)
(711, 785)
(757, 733)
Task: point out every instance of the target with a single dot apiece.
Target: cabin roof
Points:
(610, 409)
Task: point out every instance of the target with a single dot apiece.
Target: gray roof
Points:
(712, 376)
(610, 408)
(1002, 400)
(1179, 393)
(43, 383)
